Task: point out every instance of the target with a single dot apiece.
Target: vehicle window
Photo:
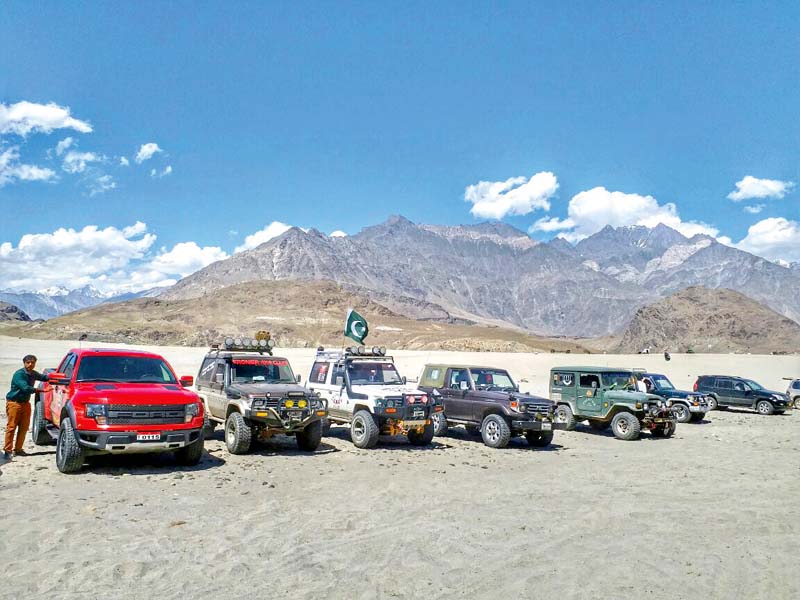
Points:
(206, 369)
(219, 372)
(620, 380)
(433, 374)
(338, 371)
(662, 383)
(725, 384)
(492, 379)
(753, 384)
(796, 384)
(563, 379)
(372, 372)
(260, 370)
(456, 377)
(69, 366)
(130, 369)
(319, 372)
(586, 380)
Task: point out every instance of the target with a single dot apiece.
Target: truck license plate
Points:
(296, 414)
(547, 426)
(418, 413)
(148, 437)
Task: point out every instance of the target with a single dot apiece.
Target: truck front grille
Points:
(539, 407)
(146, 414)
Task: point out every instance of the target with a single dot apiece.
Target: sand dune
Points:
(710, 513)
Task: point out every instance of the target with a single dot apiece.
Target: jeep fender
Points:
(618, 408)
(235, 406)
(497, 410)
(359, 407)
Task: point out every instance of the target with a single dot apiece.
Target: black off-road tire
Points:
(626, 426)
(495, 431)
(664, 431)
(326, 426)
(682, 412)
(473, 430)
(69, 453)
(539, 439)
(421, 439)
(363, 430)
(697, 417)
(208, 425)
(563, 414)
(310, 437)
(39, 433)
(238, 434)
(190, 455)
(764, 407)
(713, 403)
(439, 421)
(599, 425)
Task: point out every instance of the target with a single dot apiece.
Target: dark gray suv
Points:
(727, 391)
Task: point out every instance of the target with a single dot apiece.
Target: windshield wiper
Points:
(96, 379)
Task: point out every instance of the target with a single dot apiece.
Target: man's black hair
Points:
(28, 357)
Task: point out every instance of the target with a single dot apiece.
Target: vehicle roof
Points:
(240, 354)
(462, 366)
(113, 352)
(728, 376)
(593, 369)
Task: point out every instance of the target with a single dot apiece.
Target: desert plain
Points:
(711, 513)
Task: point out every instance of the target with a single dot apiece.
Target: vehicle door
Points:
(217, 389)
(204, 377)
(340, 404)
(61, 393)
(724, 389)
(589, 397)
(457, 405)
(742, 393)
(320, 381)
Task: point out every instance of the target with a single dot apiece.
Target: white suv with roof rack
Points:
(365, 391)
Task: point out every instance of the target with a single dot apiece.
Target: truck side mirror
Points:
(339, 381)
(57, 379)
(187, 381)
(298, 378)
(464, 386)
(219, 377)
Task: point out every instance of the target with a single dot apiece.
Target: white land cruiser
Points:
(364, 390)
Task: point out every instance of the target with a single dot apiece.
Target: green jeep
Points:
(607, 397)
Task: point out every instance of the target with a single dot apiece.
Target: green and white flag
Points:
(356, 326)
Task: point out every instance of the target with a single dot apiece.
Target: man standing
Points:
(18, 406)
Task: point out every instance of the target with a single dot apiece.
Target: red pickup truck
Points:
(117, 401)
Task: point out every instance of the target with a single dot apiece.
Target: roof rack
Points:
(262, 342)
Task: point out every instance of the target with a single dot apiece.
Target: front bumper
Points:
(286, 419)
(537, 425)
(122, 442)
(702, 408)
(410, 413)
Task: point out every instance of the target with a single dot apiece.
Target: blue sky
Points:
(336, 116)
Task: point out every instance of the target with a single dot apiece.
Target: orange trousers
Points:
(19, 417)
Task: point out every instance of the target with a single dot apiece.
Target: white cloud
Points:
(754, 209)
(751, 187)
(76, 162)
(63, 145)
(775, 238)
(123, 162)
(186, 258)
(146, 152)
(101, 184)
(71, 258)
(156, 174)
(25, 117)
(11, 169)
(272, 230)
(591, 210)
(515, 196)
(338, 233)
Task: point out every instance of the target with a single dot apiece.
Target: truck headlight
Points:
(98, 412)
(288, 403)
(192, 410)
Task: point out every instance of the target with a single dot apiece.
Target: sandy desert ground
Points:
(711, 513)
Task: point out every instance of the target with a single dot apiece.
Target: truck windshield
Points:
(621, 381)
(372, 372)
(662, 382)
(492, 379)
(261, 370)
(130, 369)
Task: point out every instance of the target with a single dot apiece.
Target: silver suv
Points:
(793, 391)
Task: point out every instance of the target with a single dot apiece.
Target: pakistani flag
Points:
(356, 326)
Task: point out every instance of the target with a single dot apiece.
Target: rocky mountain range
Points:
(9, 312)
(494, 273)
(49, 303)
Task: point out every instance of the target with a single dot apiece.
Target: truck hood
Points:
(134, 393)
(264, 389)
(382, 391)
(679, 394)
(529, 398)
(631, 396)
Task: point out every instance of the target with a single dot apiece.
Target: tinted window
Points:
(69, 366)
(455, 378)
(725, 384)
(134, 369)
(260, 370)
(368, 372)
(586, 380)
(796, 384)
(319, 372)
(205, 370)
(338, 371)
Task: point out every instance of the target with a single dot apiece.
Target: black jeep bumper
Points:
(120, 442)
(289, 420)
(535, 425)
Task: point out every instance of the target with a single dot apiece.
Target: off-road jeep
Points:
(365, 391)
(256, 395)
(687, 406)
(737, 392)
(488, 403)
(117, 401)
(607, 397)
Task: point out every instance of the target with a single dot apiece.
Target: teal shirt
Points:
(22, 385)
